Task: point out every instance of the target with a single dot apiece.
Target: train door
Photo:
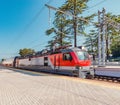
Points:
(45, 61)
(16, 62)
(59, 62)
(56, 62)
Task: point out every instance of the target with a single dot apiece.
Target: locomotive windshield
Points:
(82, 55)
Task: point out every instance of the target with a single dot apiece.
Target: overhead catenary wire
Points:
(67, 14)
(34, 18)
(29, 24)
(56, 9)
(63, 12)
(38, 45)
(83, 19)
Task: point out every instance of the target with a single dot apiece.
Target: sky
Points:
(23, 22)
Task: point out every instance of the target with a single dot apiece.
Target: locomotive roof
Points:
(41, 53)
(71, 49)
(78, 49)
(66, 50)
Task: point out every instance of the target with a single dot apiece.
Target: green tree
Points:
(91, 41)
(59, 31)
(77, 23)
(26, 51)
(3, 59)
(116, 50)
(113, 35)
(69, 26)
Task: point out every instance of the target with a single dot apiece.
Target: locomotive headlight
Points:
(80, 67)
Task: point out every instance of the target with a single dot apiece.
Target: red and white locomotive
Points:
(60, 60)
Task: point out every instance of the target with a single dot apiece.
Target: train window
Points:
(67, 56)
(29, 59)
(45, 58)
(82, 55)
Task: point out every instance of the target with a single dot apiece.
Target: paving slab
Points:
(25, 88)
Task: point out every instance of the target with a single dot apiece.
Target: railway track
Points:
(107, 79)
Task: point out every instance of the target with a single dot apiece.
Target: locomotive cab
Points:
(83, 64)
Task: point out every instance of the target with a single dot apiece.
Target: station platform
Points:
(18, 87)
(107, 68)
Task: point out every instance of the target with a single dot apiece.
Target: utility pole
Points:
(75, 24)
(99, 38)
(102, 38)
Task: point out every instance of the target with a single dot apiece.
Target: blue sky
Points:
(15, 15)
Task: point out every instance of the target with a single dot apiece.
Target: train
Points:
(64, 60)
